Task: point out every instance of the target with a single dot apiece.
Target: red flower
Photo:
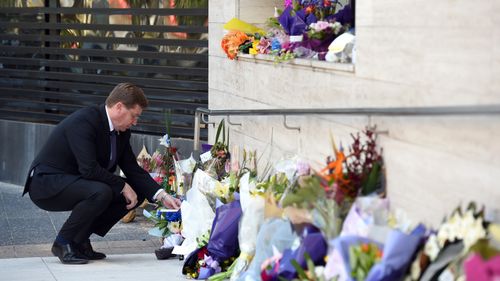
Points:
(202, 253)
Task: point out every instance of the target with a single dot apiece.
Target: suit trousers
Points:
(93, 205)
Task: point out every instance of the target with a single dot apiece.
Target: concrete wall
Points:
(409, 53)
(21, 141)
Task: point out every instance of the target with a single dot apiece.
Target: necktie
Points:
(112, 139)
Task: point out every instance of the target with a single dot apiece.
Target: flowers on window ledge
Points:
(304, 29)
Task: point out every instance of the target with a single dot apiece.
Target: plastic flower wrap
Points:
(365, 213)
(222, 246)
(275, 235)
(239, 25)
(184, 174)
(197, 215)
(313, 245)
(306, 202)
(252, 206)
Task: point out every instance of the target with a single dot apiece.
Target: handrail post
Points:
(196, 140)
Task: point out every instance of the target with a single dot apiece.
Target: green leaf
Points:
(360, 274)
(219, 128)
(310, 265)
(370, 184)
(353, 260)
(300, 271)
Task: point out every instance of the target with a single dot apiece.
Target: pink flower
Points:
(320, 25)
(288, 3)
(158, 179)
(264, 46)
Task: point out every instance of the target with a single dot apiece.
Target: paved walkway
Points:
(114, 267)
(27, 233)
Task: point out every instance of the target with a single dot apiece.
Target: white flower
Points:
(165, 140)
(319, 271)
(415, 270)
(466, 223)
(431, 248)
(336, 26)
(174, 227)
(444, 234)
(473, 233)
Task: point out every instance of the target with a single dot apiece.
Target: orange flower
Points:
(336, 166)
(365, 247)
(171, 180)
(232, 41)
(379, 254)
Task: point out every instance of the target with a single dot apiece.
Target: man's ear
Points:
(119, 105)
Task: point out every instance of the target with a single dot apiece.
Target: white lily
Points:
(165, 140)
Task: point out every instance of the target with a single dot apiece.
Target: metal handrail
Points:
(380, 111)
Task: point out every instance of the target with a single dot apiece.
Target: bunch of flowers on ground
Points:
(292, 222)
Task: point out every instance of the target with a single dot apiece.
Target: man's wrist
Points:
(156, 196)
(161, 196)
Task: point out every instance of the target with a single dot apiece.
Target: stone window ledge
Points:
(306, 63)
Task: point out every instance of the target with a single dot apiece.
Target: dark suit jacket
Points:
(79, 147)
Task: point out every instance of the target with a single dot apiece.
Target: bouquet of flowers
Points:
(320, 9)
(215, 161)
(166, 221)
(362, 258)
(232, 41)
(160, 165)
(446, 250)
(360, 172)
(168, 226)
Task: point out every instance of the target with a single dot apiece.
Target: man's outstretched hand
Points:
(169, 201)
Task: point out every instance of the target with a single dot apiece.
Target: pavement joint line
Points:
(48, 268)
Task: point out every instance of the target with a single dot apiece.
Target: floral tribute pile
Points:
(302, 29)
(166, 169)
(288, 221)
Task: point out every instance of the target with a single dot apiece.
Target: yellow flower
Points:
(219, 189)
(254, 50)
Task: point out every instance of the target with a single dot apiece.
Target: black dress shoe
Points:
(67, 254)
(164, 253)
(85, 249)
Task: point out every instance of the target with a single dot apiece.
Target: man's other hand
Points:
(130, 196)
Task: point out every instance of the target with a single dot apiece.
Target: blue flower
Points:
(173, 216)
(275, 45)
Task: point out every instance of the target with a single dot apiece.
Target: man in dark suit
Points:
(75, 171)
